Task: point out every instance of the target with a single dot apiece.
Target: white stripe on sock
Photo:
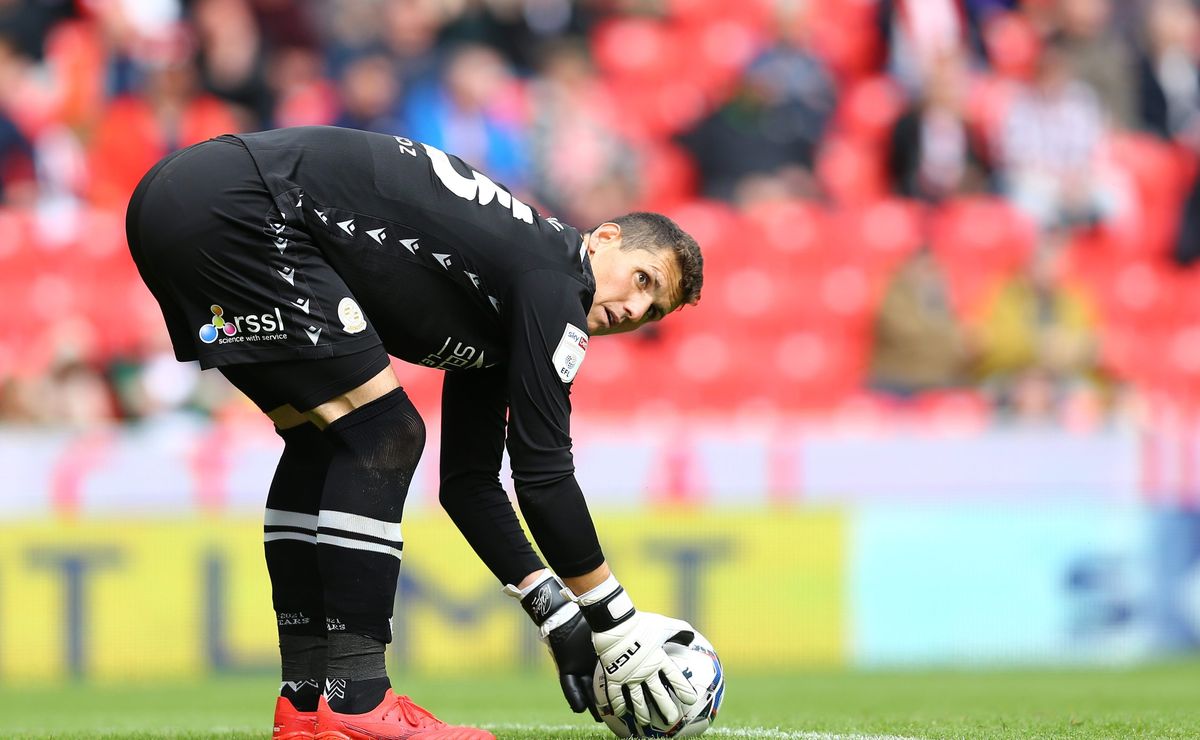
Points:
(360, 525)
(272, 536)
(281, 518)
(329, 539)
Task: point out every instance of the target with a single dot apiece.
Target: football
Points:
(700, 664)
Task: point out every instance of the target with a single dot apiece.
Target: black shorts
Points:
(237, 282)
(305, 384)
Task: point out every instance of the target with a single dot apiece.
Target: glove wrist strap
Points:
(606, 605)
(543, 599)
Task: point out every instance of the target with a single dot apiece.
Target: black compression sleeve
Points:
(558, 518)
(473, 410)
(548, 345)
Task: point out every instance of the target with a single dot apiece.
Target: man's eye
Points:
(643, 278)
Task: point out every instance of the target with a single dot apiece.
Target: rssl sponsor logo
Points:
(244, 328)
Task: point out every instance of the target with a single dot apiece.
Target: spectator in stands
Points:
(18, 181)
(918, 33)
(303, 96)
(156, 385)
(1047, 158)
(935, 153)
(1169, 73)
(471, 113)
(762, 142)
(919, 343)
(516, 28)
(27, 22)
(287, 24)
(1100, 57)
(232, 58)
(567, 124)
(75, 395)
(1037, 337)
(369, 94)
(410, 31)
(1169, 98)
(138, 130)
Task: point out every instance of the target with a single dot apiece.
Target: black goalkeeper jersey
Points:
(456, 273)
(363, 238)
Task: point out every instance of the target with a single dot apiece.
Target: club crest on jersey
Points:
(351, 316)
(572, 348)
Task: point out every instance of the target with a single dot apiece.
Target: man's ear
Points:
(608, 231)
(604, 236)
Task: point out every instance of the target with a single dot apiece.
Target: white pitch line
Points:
(735, 733)
(767, 733)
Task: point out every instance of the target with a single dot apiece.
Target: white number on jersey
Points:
(480, 188)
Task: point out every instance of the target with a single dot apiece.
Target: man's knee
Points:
(386, 434)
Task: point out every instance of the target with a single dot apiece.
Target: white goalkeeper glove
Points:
(629, 644)
(562, 628)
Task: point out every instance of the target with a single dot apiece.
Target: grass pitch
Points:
(1153, 702)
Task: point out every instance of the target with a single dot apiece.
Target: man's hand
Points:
(571, 646)
(565, 632)
(629, 644)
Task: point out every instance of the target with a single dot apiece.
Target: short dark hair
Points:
(655, 232)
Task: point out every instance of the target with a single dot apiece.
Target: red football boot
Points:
(396, 718)
(291, 724)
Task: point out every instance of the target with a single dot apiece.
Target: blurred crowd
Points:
(1072, 124)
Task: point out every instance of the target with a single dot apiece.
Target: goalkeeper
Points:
(296, 261)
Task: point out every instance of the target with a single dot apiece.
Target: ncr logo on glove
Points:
(623, 658)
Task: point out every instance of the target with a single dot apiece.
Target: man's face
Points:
(632, 286)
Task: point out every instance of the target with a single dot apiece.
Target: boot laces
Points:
(414, 714)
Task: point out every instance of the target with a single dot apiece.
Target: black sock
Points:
(356, 677)
(302, 694)
(303, 663)
(350, 696)
(290, 534)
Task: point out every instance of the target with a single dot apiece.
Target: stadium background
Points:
(937, 406)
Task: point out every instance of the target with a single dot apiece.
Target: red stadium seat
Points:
(668, 176)
(793, 234)
(868, 109)
(952, 410)
(983, 230)
(818, 369)
(635, 48)
(850, 294)
(725, 240)
(749, 294)
(979, 241)
(851, 172)
(19, 255)
(846, 36)
(1143, 292)
(881, 234)
(1012, 44)
(1180, 358)
(720, 48)
(757, 14)
(655, 108)
(1160, 175)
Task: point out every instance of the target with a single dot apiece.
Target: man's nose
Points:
(636, 308)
